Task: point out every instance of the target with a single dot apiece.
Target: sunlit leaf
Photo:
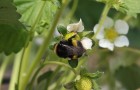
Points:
(133, 6)
(37, 13)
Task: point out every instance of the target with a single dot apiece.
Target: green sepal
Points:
(95, 75)
(83, 34)
(56, 39)
(73, 63)
(95, 86)
(83, 71)
(62, 30)
(51, 47)
(93, 43)
(89, 34)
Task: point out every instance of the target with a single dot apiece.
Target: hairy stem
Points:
(61, 64)
(44, 46)
(71, 13)
(102, 19)
(14, 78)
(3, 68)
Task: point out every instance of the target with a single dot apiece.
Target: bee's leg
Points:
(74, 42)
(73, 63)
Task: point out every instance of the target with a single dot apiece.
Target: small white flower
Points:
(112, 34)
(76, 27)
(86, 42)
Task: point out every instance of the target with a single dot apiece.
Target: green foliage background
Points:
(23, 22)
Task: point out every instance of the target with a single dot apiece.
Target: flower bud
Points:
(84, 83)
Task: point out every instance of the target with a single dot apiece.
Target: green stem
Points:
(52, 77)
(60, 81)
(20, 67)
(32, 30)
(110, 78)
(3, 68)
(102, 19)
(34, 77)
(137, 51)
(72, 11)
(14, 77)
(24, 61)
(61, 64)
(44, 46)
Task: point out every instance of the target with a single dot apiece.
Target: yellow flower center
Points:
(111, 34)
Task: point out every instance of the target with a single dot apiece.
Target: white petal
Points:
(108, 22)
(106, 44)
(121, 27)
(86, 42)
(76, 27)
(100, 34)
(121, 41)
(81, 27)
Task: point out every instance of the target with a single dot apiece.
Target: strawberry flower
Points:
(112, 34)
(78, 27)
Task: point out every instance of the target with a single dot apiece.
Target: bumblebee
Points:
(70, 47)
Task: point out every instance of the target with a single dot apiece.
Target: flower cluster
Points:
(78, 27)
(112, 34)
(71, 46)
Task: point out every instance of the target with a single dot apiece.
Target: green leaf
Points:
(129, 77)
(44, 76)
(13, 34)
(38, 14)
(73, 63)
(89, 12)
(133, 6)
(133, 36)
